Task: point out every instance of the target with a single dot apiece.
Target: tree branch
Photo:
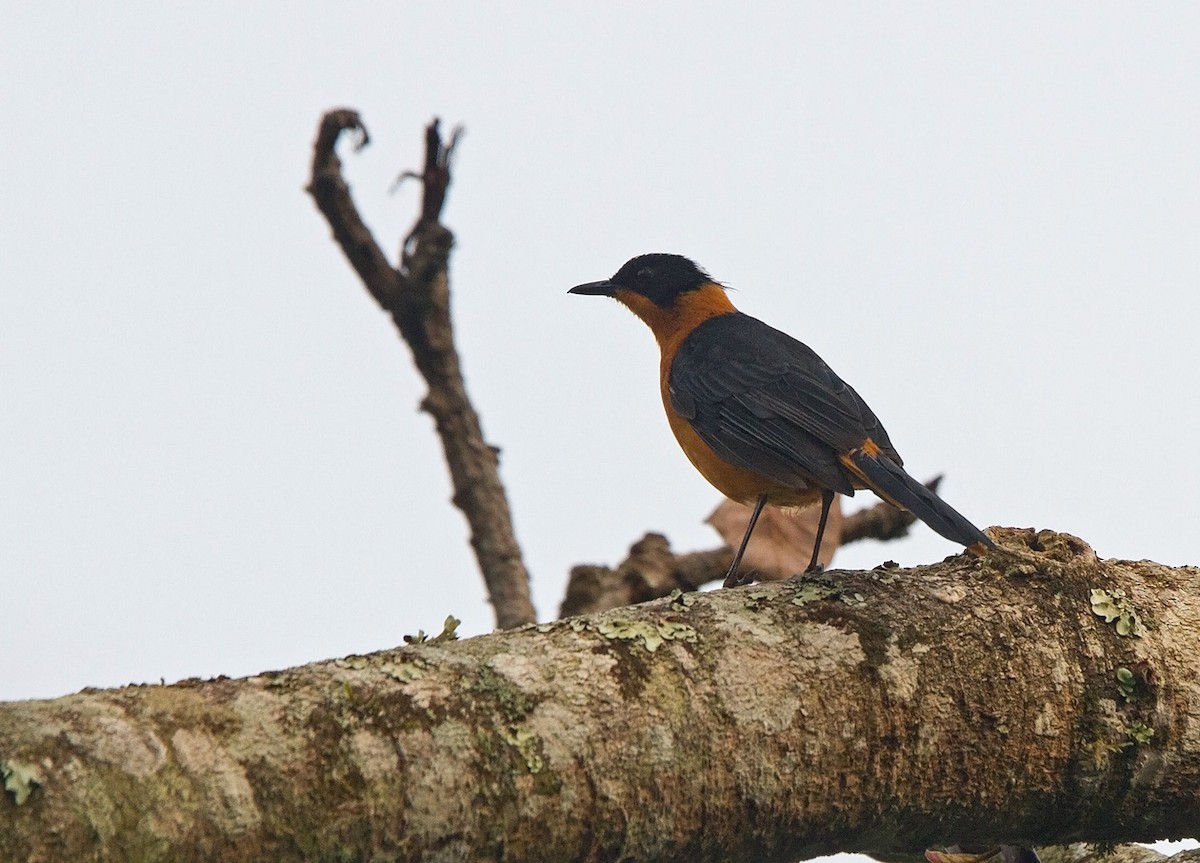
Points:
(975, 701)
(417, 294)
(332, 197)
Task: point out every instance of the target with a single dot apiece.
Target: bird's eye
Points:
(645, 274)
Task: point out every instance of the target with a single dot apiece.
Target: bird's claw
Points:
(740, 579)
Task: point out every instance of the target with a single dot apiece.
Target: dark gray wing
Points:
(764, 401)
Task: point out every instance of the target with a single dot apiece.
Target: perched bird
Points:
(759, 414)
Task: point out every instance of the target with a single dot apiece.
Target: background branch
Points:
(417, 295)
(779, 549)
(881, 521)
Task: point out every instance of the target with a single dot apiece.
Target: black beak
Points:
(595, 289)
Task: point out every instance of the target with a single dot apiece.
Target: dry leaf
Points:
(782, 542)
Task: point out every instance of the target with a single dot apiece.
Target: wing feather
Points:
(765, 401)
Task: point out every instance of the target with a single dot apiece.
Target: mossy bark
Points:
(975, 701)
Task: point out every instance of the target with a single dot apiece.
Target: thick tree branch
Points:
(417, 295)
(975, 701)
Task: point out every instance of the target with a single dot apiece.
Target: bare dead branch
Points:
(332, 197)
(435, 179)
(651, 571)
(417, 294)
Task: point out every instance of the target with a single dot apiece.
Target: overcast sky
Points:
(985, 218)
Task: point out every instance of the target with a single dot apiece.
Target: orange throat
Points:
(672, 324)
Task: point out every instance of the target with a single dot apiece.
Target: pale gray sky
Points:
(985, 217)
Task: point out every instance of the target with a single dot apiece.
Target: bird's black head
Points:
(659, 278)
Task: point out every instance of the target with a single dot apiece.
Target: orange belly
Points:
(736, 483)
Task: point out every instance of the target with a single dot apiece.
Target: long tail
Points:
(888, 480)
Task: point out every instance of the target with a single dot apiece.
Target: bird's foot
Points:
(739, 579)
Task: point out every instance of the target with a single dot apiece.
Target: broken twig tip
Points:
(399, 181)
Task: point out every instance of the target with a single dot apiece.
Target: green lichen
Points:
(1116, 608)
(1126, 683)
(756, 599)
(681, 600)
(405, 672)
(528, 745)
(449, 633)
(811, 591)
(20, 779)
(650, 634)
(508, 697)
(1102, 750)
(353, 662)
(1136, 733)
(1139, 732)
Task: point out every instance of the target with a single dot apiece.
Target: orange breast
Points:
(736, 483)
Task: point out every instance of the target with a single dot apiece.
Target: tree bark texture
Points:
(975, 701)
(417, 295)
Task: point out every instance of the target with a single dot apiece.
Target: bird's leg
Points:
(826, 502)
(731, 577)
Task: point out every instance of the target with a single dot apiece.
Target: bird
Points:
(758, 413)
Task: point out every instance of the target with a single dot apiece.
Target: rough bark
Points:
(417, 295)
(1077, 852)
(1081, 852)
(976, 701)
